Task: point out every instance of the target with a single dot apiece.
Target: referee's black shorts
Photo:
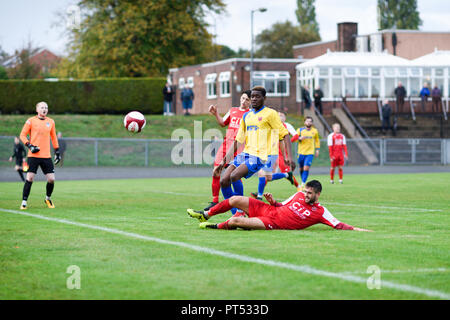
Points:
(19, 162)
(46, 165)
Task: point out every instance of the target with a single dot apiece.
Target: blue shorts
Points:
(305, 160)
(270, 163)
(253, 163)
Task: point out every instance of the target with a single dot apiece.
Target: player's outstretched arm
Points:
(213, 110)
(361, 229)
(344, 226)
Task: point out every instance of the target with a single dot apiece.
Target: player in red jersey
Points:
(281, 156)
(300, 211)
(337, 147)
(232, 119)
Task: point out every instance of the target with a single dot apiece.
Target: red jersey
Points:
(296, 213)
(233, 120)
(337, 145)
(281, 165)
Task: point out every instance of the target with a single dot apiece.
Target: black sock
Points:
(26, 190)
(20, 171)
(49, 188)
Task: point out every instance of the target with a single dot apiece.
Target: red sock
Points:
(332, 173)
(224, 225)
(215, 188)
(341, 173)
(221, 207)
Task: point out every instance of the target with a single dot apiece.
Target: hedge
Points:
(99, 96)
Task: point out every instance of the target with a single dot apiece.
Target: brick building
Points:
(45, 60)
(408, 44)
(222, 82)
(361, 68)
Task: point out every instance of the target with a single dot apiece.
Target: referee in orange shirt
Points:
(40, 130)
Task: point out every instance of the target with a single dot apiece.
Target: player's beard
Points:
(311, 200)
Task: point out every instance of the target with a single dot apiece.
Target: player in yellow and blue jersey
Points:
(308, 146)
(260, 128)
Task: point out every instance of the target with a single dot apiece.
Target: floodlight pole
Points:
(251, 50)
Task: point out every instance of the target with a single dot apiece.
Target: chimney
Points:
(347, 32)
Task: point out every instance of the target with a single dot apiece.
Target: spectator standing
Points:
(400, 94)
(436, 98)
(386, 111)
(168, 94)
(187, 96)
(306, 97)
(318, 95)
(424, 94)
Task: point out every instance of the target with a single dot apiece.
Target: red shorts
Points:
(222, 152)
(282, 166)
(337, 161)
(264, 212)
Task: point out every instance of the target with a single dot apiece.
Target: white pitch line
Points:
(300, 268)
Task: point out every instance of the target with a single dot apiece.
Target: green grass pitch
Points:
(410, 243)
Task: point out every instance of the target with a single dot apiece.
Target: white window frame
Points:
(181, 83)
(275, 76)
(225, 86)
(190, 82)
(210, 81)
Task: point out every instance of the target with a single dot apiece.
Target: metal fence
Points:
(190, 152)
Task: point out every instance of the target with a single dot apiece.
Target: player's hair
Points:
(260, 89)
(247, 92)
(308, 117)
(316, 185)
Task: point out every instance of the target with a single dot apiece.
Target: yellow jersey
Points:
(261, 132)
(311, 143)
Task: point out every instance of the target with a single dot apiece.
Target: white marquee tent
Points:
(369, 75)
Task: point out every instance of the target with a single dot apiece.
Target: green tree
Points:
(401, 14)
(3, 55)
(279, 39)
(306, 16)
(140, 38)
(3, 73)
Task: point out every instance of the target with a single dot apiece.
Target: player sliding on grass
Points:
(298, 212)
(232, 119)
(258, 130)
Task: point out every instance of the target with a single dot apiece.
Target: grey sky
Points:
(23, 20)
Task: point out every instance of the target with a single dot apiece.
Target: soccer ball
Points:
(134, 121)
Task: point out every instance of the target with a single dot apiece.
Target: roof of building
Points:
(310, 44)
(437, 58)
(355, 59)
(255, 60)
